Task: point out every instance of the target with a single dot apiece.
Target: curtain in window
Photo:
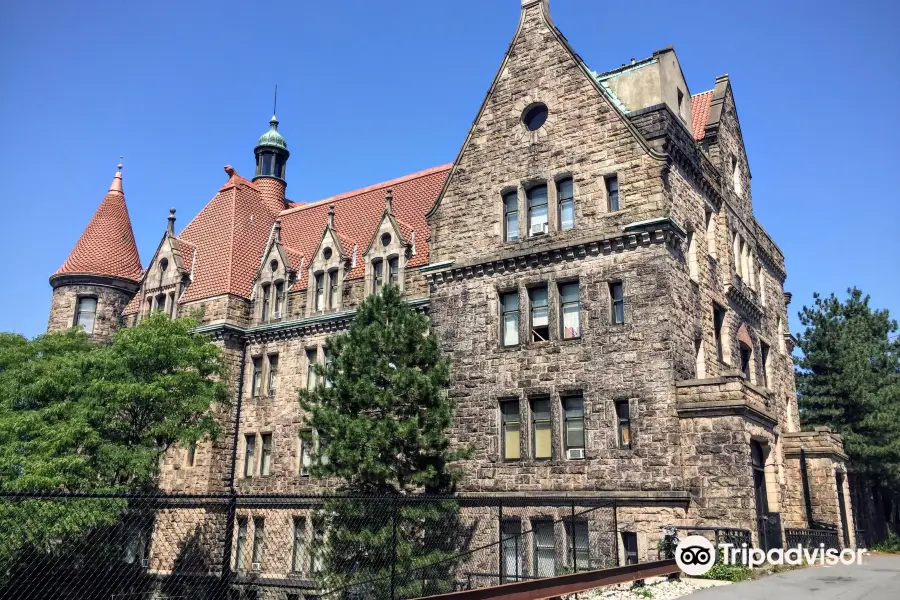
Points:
(571, 310)
(511, 430)
(542, 428)
(510, 307)
(84, 317)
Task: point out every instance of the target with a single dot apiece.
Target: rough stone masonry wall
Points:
(609, 362)
(824, 459)
(110, 304)
(584, 137)
(212, 458)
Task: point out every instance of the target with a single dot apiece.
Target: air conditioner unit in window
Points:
(575, 453)
(276, 315)
(255, 567)
(538, 228)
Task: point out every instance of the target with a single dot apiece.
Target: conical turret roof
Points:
(107, 245)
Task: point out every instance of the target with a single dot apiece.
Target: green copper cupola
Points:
(271, 153)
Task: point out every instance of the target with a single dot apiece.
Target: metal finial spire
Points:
(275, 104)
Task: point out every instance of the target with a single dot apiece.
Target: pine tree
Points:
(848, 378)
(380, 419)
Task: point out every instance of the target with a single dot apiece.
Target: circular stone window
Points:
(326, 253)
(535, 116)
(385, 239)
(163, 264)
(273, 265)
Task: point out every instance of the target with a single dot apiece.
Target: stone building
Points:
(614, 313)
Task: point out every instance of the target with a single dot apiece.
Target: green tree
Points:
(380, 419)
(848, 378)
(76, 416)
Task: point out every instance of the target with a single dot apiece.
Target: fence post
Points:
(394, 554)
(227, 545)
(572, 535)
(616, 531)
(501, 571)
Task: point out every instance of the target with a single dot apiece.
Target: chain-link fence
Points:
(292, 547)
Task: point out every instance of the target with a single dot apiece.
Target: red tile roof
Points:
(225, 242)
(107, 245)
(229, 236)
(357, 215)
(700, 109)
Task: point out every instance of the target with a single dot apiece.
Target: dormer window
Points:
(333, 300)
(537, 210)
(279, 300)
(393, 271)
(320, 292)
(377, 275)
(265, 301)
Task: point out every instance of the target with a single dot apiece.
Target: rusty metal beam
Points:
(554, 587)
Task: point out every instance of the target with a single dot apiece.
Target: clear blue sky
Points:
(370, 90)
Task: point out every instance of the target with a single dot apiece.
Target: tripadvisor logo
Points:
(695, 555)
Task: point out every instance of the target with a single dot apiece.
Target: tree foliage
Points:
(380, 419)
(76, 416)
(848, 378)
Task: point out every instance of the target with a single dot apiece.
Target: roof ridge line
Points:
(369, 188)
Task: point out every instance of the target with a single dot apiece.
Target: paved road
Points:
(878, 578)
